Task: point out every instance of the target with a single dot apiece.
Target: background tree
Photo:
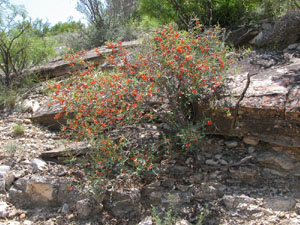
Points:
(70, 26)
(106, 18)
(209, 12)
(20, 47)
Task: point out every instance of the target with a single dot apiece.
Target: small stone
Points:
(275, 172)
(168, 183)
(12, 223)
(182, 222)
(218, 156)
(65, 209)
(244, 173)
(281, 215)
(3, 209)
(251, 149)
(146, 221)
(231, 144)
(26, 121)
(276, 160)
(223, 162)
(250, 141)
(183, 188)
(155, 196)
(241, 201)
(39, 164)
(196, 178)
(272, 219)
(189, 161)
(12, 213)
(70, 216)
(297, 208)
(280, 204)
(211, 162)
(4, 169)
(27, 222)
(293, 46)
(176, 198)
(22, 216)
(4, 172)
(84, 208)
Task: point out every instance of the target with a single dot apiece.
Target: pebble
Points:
(3, 209)
(182, 222)
(218, 156)
(65, 209)
(250, 141)
(39, 164)
(231, 144)
(27, 121)
(22, 216)
(211, 162)
(251, 149)
(223, 162)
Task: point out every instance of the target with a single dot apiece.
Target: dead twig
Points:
(243, 160)
(236, 108)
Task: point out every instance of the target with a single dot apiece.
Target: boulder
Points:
(284, 32)
(45, 115)
(279, 203)
(269, 110)
(240, 36)
(35, 191)
(276, 161)
(122, 204)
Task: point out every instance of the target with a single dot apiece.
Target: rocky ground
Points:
(228, 181)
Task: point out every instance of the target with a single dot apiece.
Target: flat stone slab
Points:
(76, 148)
(270, 109)
(45, 115)
(62, 68)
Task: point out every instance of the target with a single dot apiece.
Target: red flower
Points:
(209, 122)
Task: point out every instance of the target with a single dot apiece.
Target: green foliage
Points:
(11, 148)
(21, 46)
(67, 27)
(108, 20)
(39, 28)
(8, 97)
(274, 9)
(209, 12)
(227, 13)
(19, 129)
(158, 81)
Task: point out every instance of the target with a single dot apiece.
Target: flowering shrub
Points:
(157, 82)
